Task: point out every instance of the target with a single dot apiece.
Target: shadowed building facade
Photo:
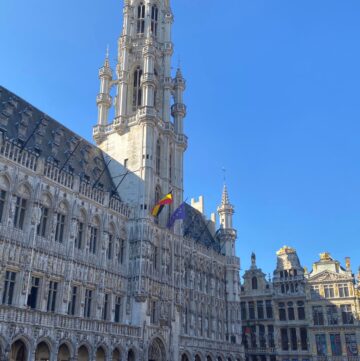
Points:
(86, 272)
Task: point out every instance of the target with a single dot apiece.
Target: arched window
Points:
(4, 187)
(110, 248)
(94, 236)
(254, 283)
(158, 157)
(137, 91)
(21, 206)
(79, 240)
(140, 19)
(155, 90)
(170, 166)
(121, 255)
(44, 219)
(60, 223)
(154, 19)
(157, 194)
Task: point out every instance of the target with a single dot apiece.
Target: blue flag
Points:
(178, 214)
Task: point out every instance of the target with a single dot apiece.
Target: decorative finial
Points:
(253, 260)
(107, 62)
(225, 196)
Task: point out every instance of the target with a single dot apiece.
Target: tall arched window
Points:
(154, 19)
(140, 19)
(170, 166)
(254, 283)
(22, 197)
(94, 235)
(45, 212)
(157, 194)
(4, 187)
(110, 248)
(158, 157)
(60, 223)
(81, 230)
(155, 90)
(137, 92)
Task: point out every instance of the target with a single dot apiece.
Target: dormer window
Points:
(141, 19)
(254, 283)
(154, 19)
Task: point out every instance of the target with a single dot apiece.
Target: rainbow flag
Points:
(168, 199)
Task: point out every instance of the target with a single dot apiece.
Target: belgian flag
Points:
(168, 199)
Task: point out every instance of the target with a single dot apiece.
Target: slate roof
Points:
(195, 227)
(32, 129)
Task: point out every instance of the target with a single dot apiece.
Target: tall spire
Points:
(225, 210)
(225, 196)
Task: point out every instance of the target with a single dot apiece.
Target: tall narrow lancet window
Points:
(155, 90)
(254, 283)
(60, 223)
(170, 167)
(137, 92)
(158, 157)
(140, 19)
(154, 19)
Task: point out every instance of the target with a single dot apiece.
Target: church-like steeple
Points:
(227, 234)
(226, 210)
(146, 134)
(103, 99)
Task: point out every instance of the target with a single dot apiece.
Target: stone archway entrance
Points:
(184, 357)
(100, 354)
(157, 351)
(63, 353)
(83, 354)
(116, 355)
(42, 352)
(18, 351)
(131, 356)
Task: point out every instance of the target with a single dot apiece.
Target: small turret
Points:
(226, 210)
(103, 99)
(227, 234)
(178, 110)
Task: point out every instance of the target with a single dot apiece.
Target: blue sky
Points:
(272, 96)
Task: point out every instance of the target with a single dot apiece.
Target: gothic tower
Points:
(227, 238)
(146, 135)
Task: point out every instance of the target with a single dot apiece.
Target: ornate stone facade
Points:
(298, 315)
(87, 273)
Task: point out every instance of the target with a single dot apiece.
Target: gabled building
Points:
(314, 316)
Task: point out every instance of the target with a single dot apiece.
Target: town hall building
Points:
(88, 273)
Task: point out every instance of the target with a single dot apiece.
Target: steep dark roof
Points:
(36, 132)
(195, 227)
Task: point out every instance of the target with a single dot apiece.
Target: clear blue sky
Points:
(273, 96)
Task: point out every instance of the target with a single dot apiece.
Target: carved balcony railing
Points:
(62, 177)
(14, 153)
(52, 320)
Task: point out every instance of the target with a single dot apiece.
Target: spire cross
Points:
(224, 174)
